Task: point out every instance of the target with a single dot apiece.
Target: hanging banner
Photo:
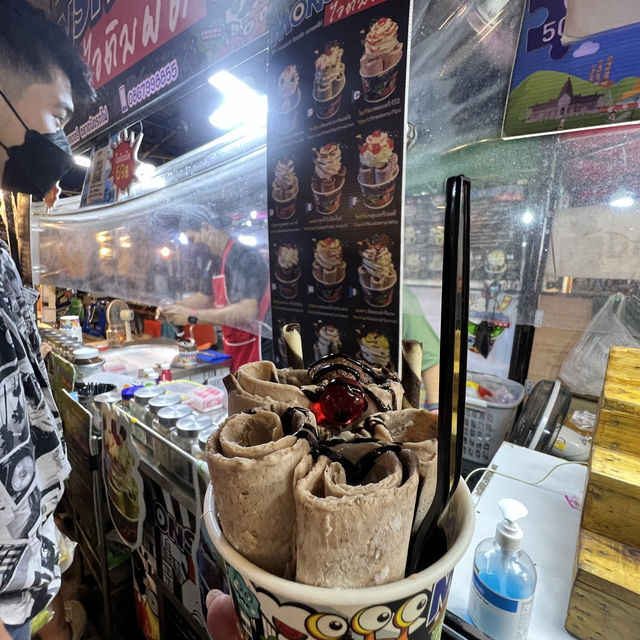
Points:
(121, 474)
(569, 72)
(335, 162)
(139, 50)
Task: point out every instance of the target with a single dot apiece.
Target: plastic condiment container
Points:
(141, 398)
(127, 398)
(87, 361)
(164, 423)
(185, 435)
(150, 376)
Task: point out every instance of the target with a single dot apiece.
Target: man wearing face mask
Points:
(40, 76)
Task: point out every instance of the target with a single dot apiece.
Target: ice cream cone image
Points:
(328, 82)
(284, 189)
(288, 98)
(379, 64)
(378, 170)
(329, 269)
(287, 271)
(328, 178)
(377, 273)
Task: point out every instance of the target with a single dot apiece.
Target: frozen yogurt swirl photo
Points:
(285, 182)
(289, 88)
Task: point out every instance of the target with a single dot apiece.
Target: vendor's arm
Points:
(196, 301)
(233, 315)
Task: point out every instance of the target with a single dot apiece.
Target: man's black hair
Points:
(32, 47)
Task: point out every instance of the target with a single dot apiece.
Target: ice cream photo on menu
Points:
(378, 170)
(284, 189)
(328, 178)
(379, 64)
(287, 270)
(288, 97)
(374, 349)
(377, 274)
(328, 341)
(328, 81)
(329, 269)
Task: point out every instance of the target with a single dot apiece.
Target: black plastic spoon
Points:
(429, 543)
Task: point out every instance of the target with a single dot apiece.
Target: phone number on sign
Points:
(157, 81)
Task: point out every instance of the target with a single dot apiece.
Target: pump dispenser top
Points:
(508, 532)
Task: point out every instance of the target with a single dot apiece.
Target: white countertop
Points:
(550, 531)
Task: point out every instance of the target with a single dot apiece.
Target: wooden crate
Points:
(605, 599)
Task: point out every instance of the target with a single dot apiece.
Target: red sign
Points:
(124, 161)
(341, 9)
(129, 31)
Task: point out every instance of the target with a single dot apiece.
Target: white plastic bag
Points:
(583, 370)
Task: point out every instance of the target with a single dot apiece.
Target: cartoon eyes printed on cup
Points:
(325, 626)
(410, 611)
(367, 621)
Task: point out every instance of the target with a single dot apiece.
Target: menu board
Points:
(335, 166)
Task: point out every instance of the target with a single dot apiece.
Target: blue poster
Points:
(561, 82)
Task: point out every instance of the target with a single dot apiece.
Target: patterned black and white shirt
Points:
(33, 462)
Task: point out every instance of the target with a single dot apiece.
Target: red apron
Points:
(241, 345)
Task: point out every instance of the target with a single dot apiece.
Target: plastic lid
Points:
(110, 397)
(142, 395)
(163, 400)
(192, 425)
(86, 353)
(508, 532)
(168, 416)
(164, 366)
(129, 392)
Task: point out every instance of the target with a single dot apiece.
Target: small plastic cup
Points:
(374, 297)
(380, 86)
(328, 203)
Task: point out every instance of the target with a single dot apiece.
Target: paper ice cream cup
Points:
(266, 604)
(376, 297)
(288, 288)
(329, 202)
(329, 291)
(379, 86)
(285, 208)
(326, 108)
(378, 196)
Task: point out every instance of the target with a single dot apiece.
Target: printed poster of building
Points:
(567, 76)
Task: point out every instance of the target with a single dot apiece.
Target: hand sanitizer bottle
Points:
(504, 579)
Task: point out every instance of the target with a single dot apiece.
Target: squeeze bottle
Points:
(504, 579)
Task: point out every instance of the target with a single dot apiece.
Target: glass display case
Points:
(552, 216)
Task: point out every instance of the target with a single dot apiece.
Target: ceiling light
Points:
(242, 105)
(182, 238)
(622, 202)
(165, 252)
(527, 218)
(250, 241)
(82, 161)
(254, 214)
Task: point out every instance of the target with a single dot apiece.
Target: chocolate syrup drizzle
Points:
(294, 423)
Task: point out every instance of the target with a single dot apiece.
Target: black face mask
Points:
(38, 163)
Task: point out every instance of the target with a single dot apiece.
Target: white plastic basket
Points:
(486, 423)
